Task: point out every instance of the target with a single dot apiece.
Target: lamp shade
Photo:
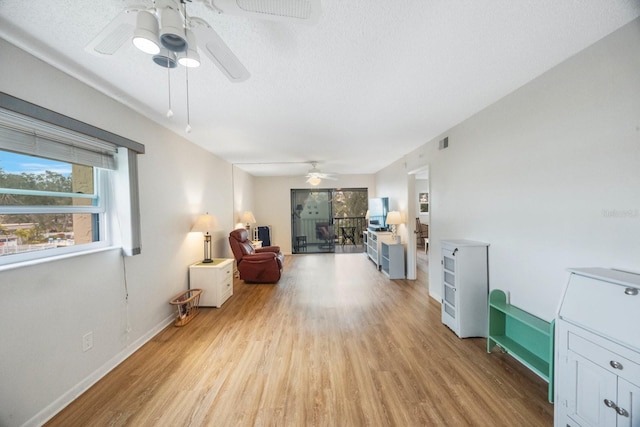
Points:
(145, 36)
(248, 218)
(172, 35)
(394, 218)
(205, 224)
(165, 59)
(190, 58)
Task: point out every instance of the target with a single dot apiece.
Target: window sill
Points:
(21, 264)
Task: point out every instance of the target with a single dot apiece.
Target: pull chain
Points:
(184, 9)
(170, 112)
(188, 128)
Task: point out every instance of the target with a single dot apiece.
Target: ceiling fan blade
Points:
(304, 11)
(114, 35)
(217, 51)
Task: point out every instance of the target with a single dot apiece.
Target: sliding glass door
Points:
(327, 220)
(311, 221)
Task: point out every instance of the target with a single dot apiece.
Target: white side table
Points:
(215, 279)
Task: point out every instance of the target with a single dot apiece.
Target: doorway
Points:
(422, 222)
(419, 209)
(328, 220)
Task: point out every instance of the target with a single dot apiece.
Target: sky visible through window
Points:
(18, 163)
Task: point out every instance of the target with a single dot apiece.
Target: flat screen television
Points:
(378, 209)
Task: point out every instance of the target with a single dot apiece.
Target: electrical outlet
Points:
(87, 341)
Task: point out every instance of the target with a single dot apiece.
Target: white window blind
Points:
(28, 136)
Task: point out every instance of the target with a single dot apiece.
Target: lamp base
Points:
(207, 261)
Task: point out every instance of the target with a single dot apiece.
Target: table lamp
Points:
(205, 224)
(248, 219)
(393, 219)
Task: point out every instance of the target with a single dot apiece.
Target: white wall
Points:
(549, 176)
(272, 198)
(393, 182)
(243, 184)
(45, 309)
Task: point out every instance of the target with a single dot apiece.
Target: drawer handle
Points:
(631, 291)
(622, 411)
(615, 365)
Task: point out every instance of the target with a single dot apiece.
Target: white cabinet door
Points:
(628, 404)
(589, 387)
(449, 295)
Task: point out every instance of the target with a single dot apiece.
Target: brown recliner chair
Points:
(262, 265)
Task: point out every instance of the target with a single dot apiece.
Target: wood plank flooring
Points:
(334, 343)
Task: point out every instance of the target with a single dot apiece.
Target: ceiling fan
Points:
(315, 176)
(163, 29)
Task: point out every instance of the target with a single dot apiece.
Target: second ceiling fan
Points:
(315, 175)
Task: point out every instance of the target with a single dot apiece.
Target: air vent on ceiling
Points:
(288, 8)
(444, 143)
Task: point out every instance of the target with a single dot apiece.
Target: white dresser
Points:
(465, 287)
(215, 279)
(597, 369)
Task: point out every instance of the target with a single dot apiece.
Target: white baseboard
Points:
(60, 403)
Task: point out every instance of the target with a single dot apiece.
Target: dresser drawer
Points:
(608, 309)
(605, 358)
(226, 272)
(226, 290)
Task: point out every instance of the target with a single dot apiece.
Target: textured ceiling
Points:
(369, 82)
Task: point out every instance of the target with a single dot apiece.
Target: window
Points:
(48, 205)
(58, 184)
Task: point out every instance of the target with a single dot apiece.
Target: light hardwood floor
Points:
(334, 343)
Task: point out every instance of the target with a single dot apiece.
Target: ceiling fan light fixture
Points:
(165, 59)
(145, 36)
(190, 58)
(172, 35)
(314, 180)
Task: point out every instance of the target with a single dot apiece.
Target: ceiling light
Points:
(172, 35)
(314, 180)
(190, 58)
(145, 36)
(165, 59)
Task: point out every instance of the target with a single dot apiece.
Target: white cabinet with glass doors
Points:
(465, 287)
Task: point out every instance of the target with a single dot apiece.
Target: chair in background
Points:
(301, 244)
(324, 231)
(264, 234)
(348, 235)
(261, 265)
(422, 234)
